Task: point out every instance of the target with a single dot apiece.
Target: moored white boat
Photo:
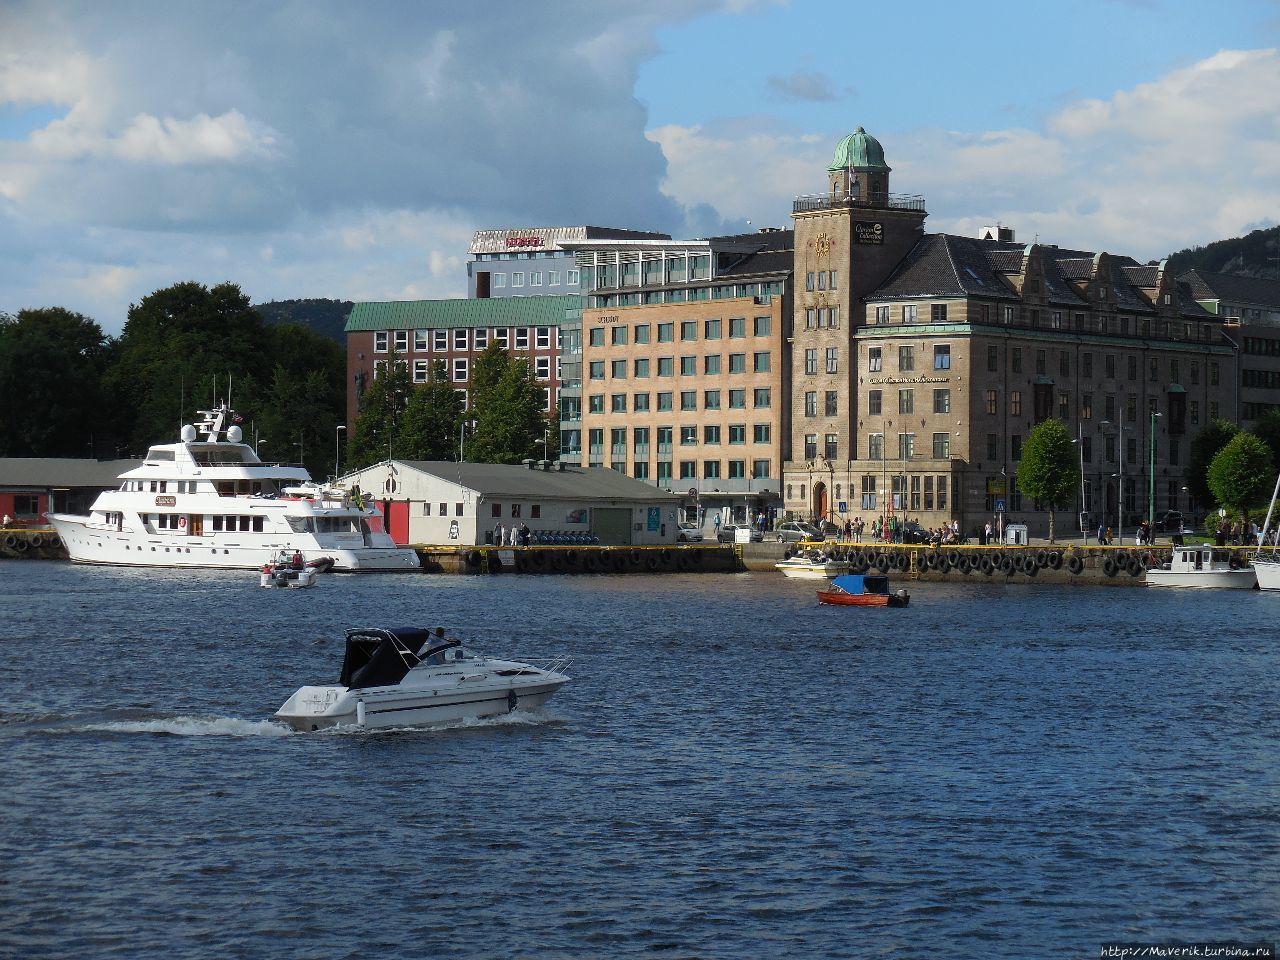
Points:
(811, 565)
(208, 501)
(288, 572)
(1266, 563)
(411, 677)
(1201, 565)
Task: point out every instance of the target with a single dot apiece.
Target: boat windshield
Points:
(216, 454)
(382, 658)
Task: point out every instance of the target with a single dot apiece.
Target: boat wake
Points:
(190, 727)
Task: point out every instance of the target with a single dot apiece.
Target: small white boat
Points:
(413, 677)
(1201, 565)
(288, 571)
(812, 565)
(1266, 564)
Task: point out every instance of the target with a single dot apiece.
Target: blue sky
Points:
(317, 149)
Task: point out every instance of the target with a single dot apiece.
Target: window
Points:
(906, 401)
(459, 369)
(830, 446)
(688, 469)
(480, 338)
(1015, 403)
(906, 358)
(595, 403)
(419, 371)
(811, 446)
(761, 326)
(737, 469)
(810, 281)
(688, 366)
(666, 332)
(535, 278)
(737, 433)
(571, 277)
(1086, 406)
(689, 330)
(941, 446)
(811, 403)
(1041, 361)
(420, 341)
(617, 336)
(711, 433)
(833, 359)
(402, 341)
(664, 439)
(991, 402)
(688, 436)
(1154, 369)
(831, 403)
(942, 401)
(641, 368)
(1015, 447)
(711, 364)
(640, 402)
(906, 446)
(910, 312)
(942, 357)
(595, 370)
(873, 403)
(875, 446)
(711, 329)
(737, 363)
(762, 398)
(737, 399)
(737, 326)
(499, 280)
(618, 403)
(882, 315)
(642, 333)
(760, 433)
(711, 400)
(664, 400)
(1064, 407)
(1064, 363)
(811, 360)
(710, 469)
(761, 361)
(666, 366)
(522, 338)
(380, 341)
(501, 336)
(1086, 365)
(517, 279)
(688, 399)
(553, 278)
(1015, 360)
(618, 369)
(461, 336)
(873, 359)
(993, 447)
(938, 312)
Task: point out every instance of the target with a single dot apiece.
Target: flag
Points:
(236, 418)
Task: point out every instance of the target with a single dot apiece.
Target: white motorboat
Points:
(1201, 565)
(210, 502)
(412, 677)
(288, 572)
(812, 565)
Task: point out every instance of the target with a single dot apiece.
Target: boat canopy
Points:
(382, 658)
(859, 583)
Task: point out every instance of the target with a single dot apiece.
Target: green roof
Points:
(861, 151)
(493, 312)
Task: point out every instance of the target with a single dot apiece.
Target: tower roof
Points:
(861, 151)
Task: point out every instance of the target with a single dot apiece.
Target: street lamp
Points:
(1151, 489)
(1079, 442)
(256, 445)
(1119, 425)
(337, 449)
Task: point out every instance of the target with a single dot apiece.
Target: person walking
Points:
(498, 533)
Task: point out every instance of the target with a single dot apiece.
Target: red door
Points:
(398, 520)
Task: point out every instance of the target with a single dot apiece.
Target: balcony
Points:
(822, 201)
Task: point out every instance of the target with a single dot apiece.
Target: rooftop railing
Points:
(822, 201)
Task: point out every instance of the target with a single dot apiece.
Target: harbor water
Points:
(734, 772)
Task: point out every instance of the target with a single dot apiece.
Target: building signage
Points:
(919, 379)
(866, 231)
(527, 241)
(166, 501)
(613, 318)
(653, 518)
(995, 486)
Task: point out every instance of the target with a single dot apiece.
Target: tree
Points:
(51, 399)
(1049, 470)
(508, 409)
(1216, 435)
(1241, 474)
(378, 429)
(1267, 429)
(432, 418)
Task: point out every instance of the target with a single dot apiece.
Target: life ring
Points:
(37, 541)
(1135, 567)
(1109, 566)
(882, 563)
(988, 566)
(1055, 560)
(182, 523)
(473, 558)
(1075, 566)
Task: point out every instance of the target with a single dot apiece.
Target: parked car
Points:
(912, 532)
(795, 530)
(689, 533)
(729, 533)
(1170, 521)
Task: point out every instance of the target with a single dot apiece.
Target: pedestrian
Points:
(986, 533)
(716, 523)
(848, 531)
(498, 533)
(1101, 534)
(1107, 541)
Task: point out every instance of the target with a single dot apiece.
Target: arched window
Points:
(837, 491)
(788, 491)
(804, 493)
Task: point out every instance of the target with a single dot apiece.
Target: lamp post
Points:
(337, 449)
(1079, 442)
(1151, 487)
(1120, 484)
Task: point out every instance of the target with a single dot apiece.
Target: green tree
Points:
(1241, 474)
(1049, 470)
(180, 348)
(378, 430)
(51, 399)
(432, 418)
(1267, 429)
(1204, 447)
(304, 401)
(510, 424)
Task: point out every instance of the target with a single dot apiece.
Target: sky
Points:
(318, 148)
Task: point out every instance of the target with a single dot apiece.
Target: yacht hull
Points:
(811, 571)
(1268, 573)
(1216, 579)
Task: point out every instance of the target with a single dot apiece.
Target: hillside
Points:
(1254, 255)
(325, 317)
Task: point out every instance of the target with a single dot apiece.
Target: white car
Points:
(689, 533)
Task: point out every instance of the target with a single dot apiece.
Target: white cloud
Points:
(147, 139)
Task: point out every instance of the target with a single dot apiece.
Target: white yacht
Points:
(208, 501)
(412, 677)
(1266, 563)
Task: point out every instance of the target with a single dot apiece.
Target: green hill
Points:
(325, 317)
(1254, 255)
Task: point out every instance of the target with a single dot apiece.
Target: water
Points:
(734, 772)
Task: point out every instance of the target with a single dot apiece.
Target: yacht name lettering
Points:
(920, 379)
(166, 501)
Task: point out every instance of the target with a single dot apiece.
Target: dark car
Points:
(729, 533)
(1171, 521)
(912, 532)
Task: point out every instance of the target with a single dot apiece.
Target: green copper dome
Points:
(861, 151)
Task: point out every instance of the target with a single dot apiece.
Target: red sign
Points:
(524, 241)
